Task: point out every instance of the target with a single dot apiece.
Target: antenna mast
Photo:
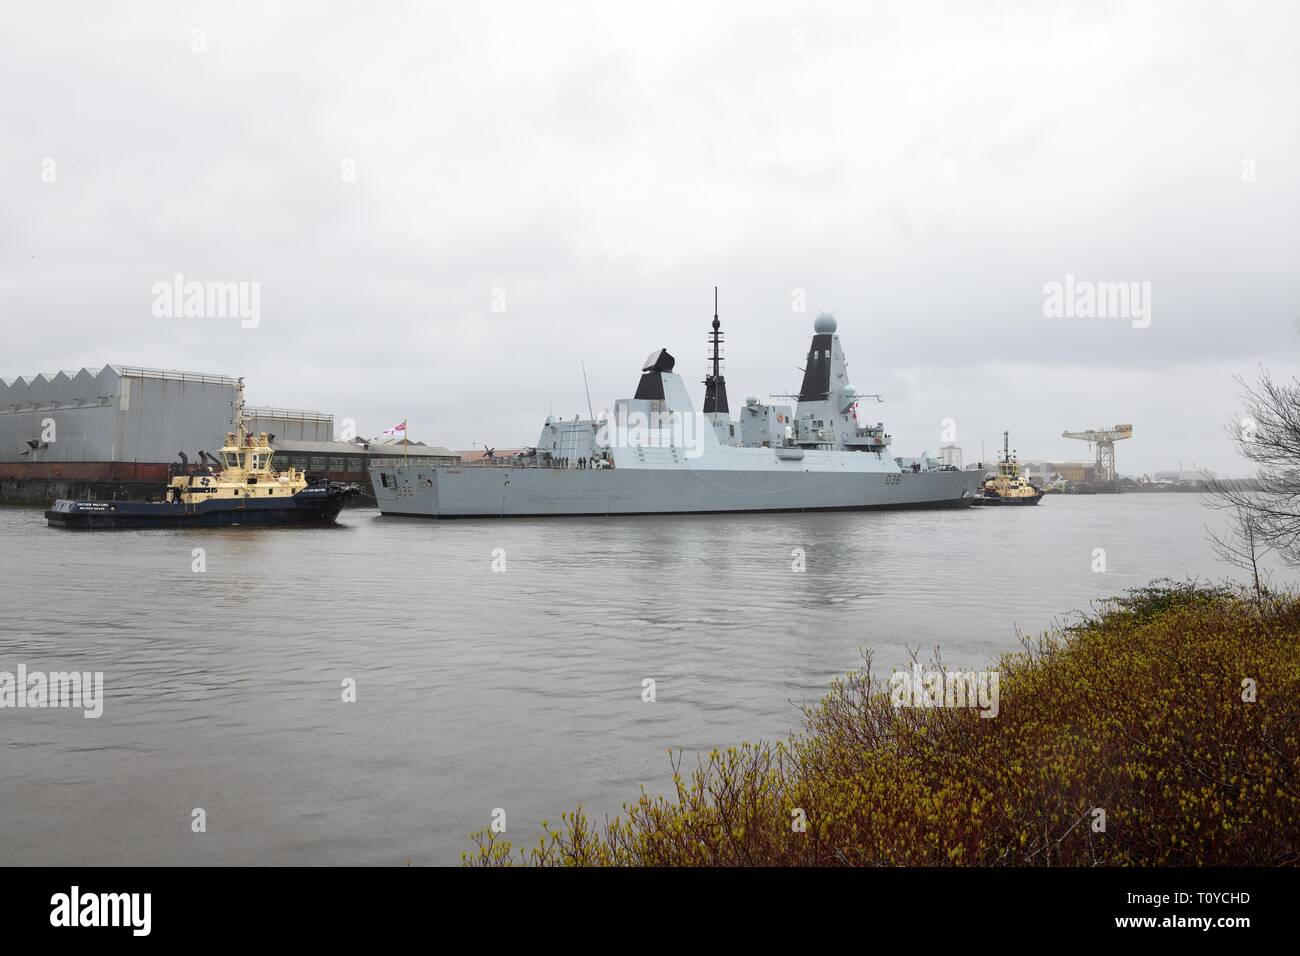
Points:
(715, 386)
(716, 335)
(588, 388)
(241, 431)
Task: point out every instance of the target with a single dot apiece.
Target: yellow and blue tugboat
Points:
(240, 488)
(1008, 486)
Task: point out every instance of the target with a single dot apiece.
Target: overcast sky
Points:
(383, 169)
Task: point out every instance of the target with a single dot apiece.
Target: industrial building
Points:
(348, 460)
(112, 432)
(1075, 472)
(119, 415)
(1179, 477)
(1071, 471)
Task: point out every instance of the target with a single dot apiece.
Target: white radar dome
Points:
(824, 324)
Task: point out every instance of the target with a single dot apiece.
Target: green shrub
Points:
(1138, 711)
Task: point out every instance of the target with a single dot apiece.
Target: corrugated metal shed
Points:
(131, 414)
(128, 413)
(290, 423)
(119, 413)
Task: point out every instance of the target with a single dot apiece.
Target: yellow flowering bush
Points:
(1162, 730)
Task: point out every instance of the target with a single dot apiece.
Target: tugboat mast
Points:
(241, 430)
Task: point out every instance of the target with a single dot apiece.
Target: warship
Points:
(656, 455)
(238, 488)
(1008, 486)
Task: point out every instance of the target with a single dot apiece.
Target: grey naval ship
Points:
(655, 455)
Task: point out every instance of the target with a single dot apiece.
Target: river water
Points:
(476, 689)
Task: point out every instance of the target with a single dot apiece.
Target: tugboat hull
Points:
(311, 506)
(999, 500)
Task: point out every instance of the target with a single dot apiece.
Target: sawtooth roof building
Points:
(124, 422)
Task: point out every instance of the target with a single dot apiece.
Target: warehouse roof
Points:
(414, 449)
(169, 374)
(129, 371)
(269, 411)
(136, 371)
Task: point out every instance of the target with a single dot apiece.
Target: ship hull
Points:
(997, 500)
(542, 492)
(311, 506)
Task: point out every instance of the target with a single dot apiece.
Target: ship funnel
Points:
(651, 385)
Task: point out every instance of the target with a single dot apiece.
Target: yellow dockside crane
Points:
(1104, 439)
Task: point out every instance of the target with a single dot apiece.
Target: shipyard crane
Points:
(1104, 439)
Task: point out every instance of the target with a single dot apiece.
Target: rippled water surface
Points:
(476, 689)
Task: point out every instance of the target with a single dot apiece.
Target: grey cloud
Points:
(607, 167)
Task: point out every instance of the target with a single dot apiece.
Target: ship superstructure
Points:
(655, 454)
(242, 470)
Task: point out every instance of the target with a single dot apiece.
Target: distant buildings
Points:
(1075, 472)
(1177, 477)
(348, 460)
(124, 423)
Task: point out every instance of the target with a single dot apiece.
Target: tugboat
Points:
(1008, 486)
(239, 488)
